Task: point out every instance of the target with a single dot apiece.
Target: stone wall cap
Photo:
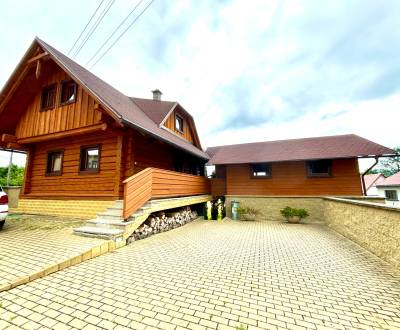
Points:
(363, 203)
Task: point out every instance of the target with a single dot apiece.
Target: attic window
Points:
(318, 168)
(68, 92)
(48, 98)
(179, 123)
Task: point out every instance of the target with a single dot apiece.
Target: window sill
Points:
(67, 103)
(54, 174)
(46, 109)
(85, 172)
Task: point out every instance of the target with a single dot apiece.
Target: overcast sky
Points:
(246, 70)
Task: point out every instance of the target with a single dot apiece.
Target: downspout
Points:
(363, 175)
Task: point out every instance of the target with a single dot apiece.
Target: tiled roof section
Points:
(372, 180)
(327, 147)
(156, 110)
(120, 105)
(393, 180)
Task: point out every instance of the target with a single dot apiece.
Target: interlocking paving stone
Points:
(23, 252)
(209, 275)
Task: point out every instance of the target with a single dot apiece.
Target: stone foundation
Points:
(83, 209)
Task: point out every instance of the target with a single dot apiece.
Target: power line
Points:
(91, 31)
(112, 34)
(120, 36)
(84, 29)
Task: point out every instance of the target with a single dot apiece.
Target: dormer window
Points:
(68, 92)
(48, 99)
(179, 123)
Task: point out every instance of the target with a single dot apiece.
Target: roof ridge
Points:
(146, 99)
(284, 140)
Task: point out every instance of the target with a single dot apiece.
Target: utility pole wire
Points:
(112, 34)
(84, 29)
(93, 29)
(119, 37)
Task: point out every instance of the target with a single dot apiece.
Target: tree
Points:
(388, 166)
(16, 177)
(391, 164)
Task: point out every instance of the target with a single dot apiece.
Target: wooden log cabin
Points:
(86, 142)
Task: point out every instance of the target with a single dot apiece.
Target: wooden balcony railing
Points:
(154, 182)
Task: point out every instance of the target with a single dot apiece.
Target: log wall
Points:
(81, 113)
(71, 183)
(290, 179)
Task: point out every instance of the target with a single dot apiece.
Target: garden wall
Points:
(270, 206)
(374, 226)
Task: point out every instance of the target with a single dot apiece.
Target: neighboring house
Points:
(371, 180)
(390, 189)
(311, 167)
(84, 138)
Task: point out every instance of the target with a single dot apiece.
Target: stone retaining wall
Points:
(374, 226)
(270, 206)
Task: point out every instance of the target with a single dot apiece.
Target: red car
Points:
(3, 207)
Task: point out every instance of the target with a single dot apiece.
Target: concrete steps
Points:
(110, 224)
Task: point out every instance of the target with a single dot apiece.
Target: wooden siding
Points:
(72, 183)
(149, 152)
(218, 187)
(158, 183)
(187, 129)
(290, 179)
(81, 113)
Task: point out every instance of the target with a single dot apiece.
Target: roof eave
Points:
(142, 129)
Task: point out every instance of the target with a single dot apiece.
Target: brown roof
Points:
(158, 111)
(155, 110)
(118, 105)
(393, 180)
(327, 147)
(372, 180)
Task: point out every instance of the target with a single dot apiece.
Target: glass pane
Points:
(179, 123)
(56, 163)
(261, 170)
(320, 167)
(92, 158)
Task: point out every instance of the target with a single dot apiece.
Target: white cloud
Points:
(246, 70)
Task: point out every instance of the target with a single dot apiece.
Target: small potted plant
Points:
(293, 215)
(248, 213)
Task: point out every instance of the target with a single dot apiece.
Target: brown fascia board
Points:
(300, 159)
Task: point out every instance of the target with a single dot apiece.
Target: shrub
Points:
(248, 210)
(289, 212)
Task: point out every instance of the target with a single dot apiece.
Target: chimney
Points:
(156, 95)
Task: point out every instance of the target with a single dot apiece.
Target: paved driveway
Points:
(217, 275)
(31, 244)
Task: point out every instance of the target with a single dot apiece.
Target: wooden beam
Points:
(38, 69)
(37, 57)
(118, 164)
(13, 87)
(8, 138)
(65, 134)
(16, 146)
